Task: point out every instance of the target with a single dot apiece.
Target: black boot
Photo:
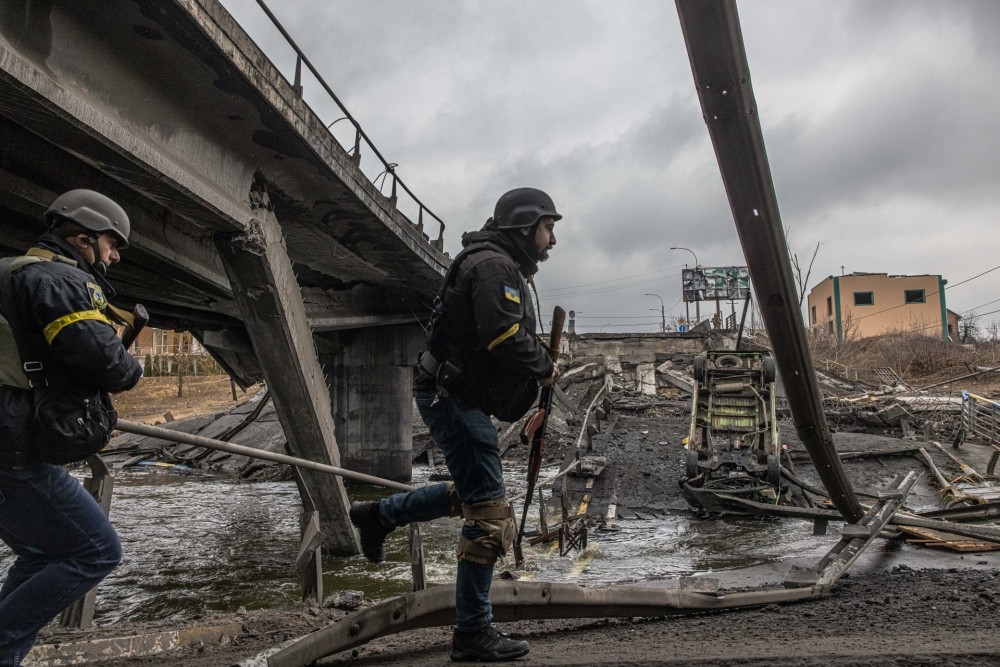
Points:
(364, 515)
(485, 645)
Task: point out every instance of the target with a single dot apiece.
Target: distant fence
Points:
(163, 365)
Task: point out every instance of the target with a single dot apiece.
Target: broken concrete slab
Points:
(83, 650)
(893, 414)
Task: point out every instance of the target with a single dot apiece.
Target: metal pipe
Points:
(219, 445)
(963, 377)
(722, 77)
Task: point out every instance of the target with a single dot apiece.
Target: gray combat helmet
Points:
(93, 211)
(522, 207)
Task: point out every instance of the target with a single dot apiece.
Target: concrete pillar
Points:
(270, 302)
(371, 382)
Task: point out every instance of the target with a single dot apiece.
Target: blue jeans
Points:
(472, 453)
(64, 546)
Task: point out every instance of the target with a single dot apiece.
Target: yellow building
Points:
(861, 305)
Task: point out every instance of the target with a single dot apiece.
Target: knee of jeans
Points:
(108, 553)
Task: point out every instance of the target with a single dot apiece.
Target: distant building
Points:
(164, 341)
(860, 305)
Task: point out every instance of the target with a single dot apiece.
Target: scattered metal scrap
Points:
(517, 600)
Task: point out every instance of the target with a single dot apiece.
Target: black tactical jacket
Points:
(61, 307)
(487, 328)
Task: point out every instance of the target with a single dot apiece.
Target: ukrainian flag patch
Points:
(512, 294)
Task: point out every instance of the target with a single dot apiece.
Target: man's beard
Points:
(543, 255)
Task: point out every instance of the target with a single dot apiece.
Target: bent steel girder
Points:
(722, 77)
(512, 601)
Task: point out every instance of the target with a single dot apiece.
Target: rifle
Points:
(133, 321)
(533, 430)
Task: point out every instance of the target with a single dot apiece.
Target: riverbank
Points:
(877, 615)
(899, 605)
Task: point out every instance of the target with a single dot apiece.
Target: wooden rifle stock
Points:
(534, 430)
(133, 321)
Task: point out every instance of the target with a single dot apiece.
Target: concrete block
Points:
(646, 379)
(893, 414)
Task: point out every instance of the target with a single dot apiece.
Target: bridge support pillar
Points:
(270, 302)
(372, 398)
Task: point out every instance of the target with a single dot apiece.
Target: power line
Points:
(902, 305)
(604, 289)
(937, 325)
(970, 310)
(613, 280)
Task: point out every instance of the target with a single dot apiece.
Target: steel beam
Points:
(722, 77)
(512, 601)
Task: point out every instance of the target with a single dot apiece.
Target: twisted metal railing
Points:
(389, 168)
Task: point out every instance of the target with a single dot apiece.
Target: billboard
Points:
(707, 283)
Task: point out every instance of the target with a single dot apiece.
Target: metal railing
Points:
(389, 168)
(980, 420)
(835, 367)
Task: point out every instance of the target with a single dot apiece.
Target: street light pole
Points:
(696, 265)
(663, 312)
(697, 304)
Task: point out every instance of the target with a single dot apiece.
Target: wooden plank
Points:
(944, 540)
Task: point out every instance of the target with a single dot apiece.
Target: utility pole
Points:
(697, 304)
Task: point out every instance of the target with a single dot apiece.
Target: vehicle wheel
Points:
(691, 464)
(773, 471)
(728, 361)
(770, 370)
(699, 369)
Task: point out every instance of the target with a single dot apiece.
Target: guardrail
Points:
(980, 419)
(389, 168)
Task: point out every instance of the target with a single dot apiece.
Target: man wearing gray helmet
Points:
(57, 347)
(482, 359)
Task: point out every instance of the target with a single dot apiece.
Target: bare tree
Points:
(969, 328)
(802, 282)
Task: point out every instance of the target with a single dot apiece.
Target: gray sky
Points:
(880, 120)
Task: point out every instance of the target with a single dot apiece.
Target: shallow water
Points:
(198, 543)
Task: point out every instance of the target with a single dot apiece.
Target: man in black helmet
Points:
(56, 344)
(482, 359)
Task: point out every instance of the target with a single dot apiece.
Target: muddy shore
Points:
(899, 616)
(899, 605)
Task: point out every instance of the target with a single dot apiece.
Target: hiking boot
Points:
(364, 515)
(485, 645)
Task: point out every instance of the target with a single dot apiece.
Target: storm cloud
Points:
(879, 120)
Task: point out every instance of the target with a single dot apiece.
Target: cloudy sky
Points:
(881, 121)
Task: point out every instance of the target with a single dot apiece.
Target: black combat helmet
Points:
(93, 211)
(522, 207)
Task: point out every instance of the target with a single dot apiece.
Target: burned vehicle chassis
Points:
(733, 443)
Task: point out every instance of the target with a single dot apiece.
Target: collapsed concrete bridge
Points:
(252, 227)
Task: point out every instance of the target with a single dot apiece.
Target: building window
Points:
(829, 305)
(814, 314)
(864, 298)
(914, 296)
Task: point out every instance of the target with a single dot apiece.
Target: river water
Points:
(196, 543)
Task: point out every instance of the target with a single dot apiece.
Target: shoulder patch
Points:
(512, 294)
(97, 296)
